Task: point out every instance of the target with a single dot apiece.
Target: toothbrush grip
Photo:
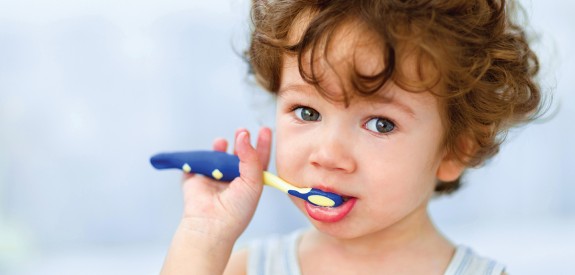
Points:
(216, 165)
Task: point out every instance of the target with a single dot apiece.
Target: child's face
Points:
(382, 153)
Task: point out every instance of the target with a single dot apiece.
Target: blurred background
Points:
(89, 90)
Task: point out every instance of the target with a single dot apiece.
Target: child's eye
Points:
(380, 125)
(307, 114)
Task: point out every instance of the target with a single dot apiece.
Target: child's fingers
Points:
(250, 166)
(220, 144)
(238, 131)
(263, 146)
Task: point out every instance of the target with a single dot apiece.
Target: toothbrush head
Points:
(318, 197)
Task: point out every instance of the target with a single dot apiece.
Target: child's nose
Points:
(334, 152)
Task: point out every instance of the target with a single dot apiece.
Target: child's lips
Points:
(331, 214)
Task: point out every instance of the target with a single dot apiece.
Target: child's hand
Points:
(216, 213)
(221, 211)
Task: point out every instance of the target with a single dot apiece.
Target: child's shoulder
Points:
(466, 261)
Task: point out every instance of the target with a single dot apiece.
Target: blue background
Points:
(89, 90)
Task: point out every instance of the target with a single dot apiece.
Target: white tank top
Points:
(278, 256)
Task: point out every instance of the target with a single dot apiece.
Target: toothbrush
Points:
(225, 167)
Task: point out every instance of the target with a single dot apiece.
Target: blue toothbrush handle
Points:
(217, 165)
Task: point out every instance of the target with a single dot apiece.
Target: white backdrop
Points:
(90, 89)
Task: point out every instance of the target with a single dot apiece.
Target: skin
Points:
(389, 177)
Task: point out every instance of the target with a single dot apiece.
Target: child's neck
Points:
(414, 230)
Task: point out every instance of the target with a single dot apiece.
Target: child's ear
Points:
(451, 167)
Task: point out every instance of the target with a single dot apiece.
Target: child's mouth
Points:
(331, 214)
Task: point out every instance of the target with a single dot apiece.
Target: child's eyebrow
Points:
(392, 100)
(383, 98)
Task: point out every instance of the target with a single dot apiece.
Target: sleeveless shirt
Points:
(278, 256)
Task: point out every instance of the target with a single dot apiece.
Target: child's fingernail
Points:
(243, 137)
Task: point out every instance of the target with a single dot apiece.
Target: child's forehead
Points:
(334, 89)
(350, 60)
(351, 42)
(352, 48)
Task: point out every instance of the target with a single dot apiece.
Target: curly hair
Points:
(482, 59)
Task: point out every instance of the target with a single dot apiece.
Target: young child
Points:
(385, 102)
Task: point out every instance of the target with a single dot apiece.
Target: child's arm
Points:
(216, 213)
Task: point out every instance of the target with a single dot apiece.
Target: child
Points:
(385, 102)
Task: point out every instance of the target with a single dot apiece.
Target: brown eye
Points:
(307, 114)
(380, 125)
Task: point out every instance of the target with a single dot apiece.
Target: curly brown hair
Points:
(481, 57)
